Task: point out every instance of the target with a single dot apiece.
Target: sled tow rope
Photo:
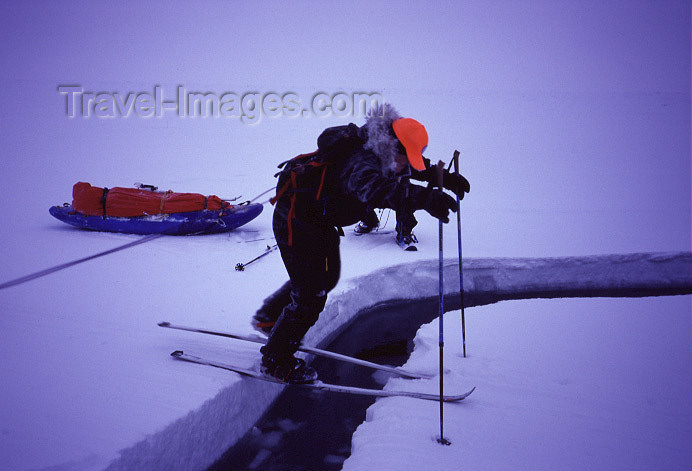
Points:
(48, 271)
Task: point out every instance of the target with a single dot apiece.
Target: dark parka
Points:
(355, 180)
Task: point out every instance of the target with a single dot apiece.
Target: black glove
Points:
(456, 183)
(438, 204)
(450, 181)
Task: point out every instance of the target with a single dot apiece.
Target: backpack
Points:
(303, 177)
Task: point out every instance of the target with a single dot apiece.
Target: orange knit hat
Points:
(414, 138)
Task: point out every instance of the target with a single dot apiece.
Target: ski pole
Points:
(241, 266)
(461, 258)
(442, 440)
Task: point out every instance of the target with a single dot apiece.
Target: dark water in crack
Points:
(311, 431)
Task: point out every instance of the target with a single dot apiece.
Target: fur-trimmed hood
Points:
(381, 139)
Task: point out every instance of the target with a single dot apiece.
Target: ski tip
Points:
(177, 353)
(164, 324)
(460, 397)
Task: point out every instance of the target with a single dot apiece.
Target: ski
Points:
(319, 385)
(305, 349)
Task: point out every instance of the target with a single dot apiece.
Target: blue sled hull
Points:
(193, 222)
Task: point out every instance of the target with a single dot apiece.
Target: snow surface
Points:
(561, 384)
(573, 119)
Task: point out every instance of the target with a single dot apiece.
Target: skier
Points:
(405, 220)
(354, 168)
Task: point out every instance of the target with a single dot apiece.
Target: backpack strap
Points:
(292, 184)
(280, 191)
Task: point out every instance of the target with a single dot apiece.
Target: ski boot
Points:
(363, 228)
(407, 242)
(290, 370)
(368, 223)
(266, 316)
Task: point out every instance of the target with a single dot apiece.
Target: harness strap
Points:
(292, 211)
(280, 192)
(324, 172)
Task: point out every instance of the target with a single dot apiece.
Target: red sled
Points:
(143, 211)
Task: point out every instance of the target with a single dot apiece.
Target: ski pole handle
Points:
(440, 174)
